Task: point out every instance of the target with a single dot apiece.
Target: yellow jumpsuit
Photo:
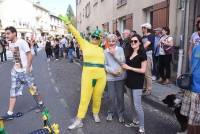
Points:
(93, 75)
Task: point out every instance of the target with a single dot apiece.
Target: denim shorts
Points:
(19, 81)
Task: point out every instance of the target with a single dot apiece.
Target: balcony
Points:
(121, 3)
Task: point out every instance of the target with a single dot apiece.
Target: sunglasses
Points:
(134, 41)
(95, 37)
(112, 41)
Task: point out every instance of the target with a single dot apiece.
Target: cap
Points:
(97, 33)
(158, 29)
(146, 25)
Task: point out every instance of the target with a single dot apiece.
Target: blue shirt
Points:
(156, 47)
(195, 62)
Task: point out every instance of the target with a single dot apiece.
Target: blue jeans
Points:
(70, 54)
(116, 97)
(137, 97)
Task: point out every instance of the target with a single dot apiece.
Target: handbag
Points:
(168, 49)
(185, 80)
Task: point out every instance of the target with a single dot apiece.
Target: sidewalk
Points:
(159, 92)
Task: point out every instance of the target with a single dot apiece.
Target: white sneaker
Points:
(19, 93)
(153, 78)
(185, 132)
(109, 117)
(135, 123)
(141, 130)
(76, 124)
(96, 118)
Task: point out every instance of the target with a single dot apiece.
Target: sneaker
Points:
(76, 124)
(133, 124)
(121, 119)
(8, 117)
(185, 132)
(96, 118)
(109, 117)
(153, 78)
(141, 130)
(19, 93)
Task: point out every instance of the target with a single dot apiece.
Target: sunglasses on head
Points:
(134, 41)
(95, 37)
(111, 41)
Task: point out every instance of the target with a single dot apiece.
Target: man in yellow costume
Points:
(93, 76)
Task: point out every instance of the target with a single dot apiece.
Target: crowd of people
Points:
(3, 45)
(114, 62)
(133, 61)
(62, 47)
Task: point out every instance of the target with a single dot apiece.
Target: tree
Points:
(70, 14)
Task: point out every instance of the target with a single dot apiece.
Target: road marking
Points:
(63, 102)
(56, 89)
(52, 80)
(77, 63)
(80, 131)
(50, 74)
(49, 68)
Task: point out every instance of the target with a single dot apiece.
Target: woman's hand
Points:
(118, 72)
(125, 66)
(112, 50)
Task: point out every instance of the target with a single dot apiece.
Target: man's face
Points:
(144, 30)
(198, 19)
(198, 25)
(126, 34)
(157, 32)
(10, 36)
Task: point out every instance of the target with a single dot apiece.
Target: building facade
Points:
(20, 16)
(56, 25)
(29, 18)
(112, 15)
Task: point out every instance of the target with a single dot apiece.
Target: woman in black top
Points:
(48, 50)
(56, 48)
(136, 66)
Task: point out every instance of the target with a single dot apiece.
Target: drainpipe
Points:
(182, 37)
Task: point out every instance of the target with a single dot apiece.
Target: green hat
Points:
(97, 33)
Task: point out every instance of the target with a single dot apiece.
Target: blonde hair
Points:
(112, 37)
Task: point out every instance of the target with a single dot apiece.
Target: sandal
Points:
(147, 92)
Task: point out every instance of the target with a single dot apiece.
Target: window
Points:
(95, 3)
(121, 3)
(105, 27)
(87, 10)
(78, 2)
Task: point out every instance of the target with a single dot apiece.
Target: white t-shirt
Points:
(63, 42)
(19, 49)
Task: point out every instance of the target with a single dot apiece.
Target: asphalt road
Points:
(59, 84)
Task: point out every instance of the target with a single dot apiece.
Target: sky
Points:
(58, 6)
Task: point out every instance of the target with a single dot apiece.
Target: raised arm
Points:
(82, 42)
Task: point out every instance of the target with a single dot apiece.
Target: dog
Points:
(175, 101)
